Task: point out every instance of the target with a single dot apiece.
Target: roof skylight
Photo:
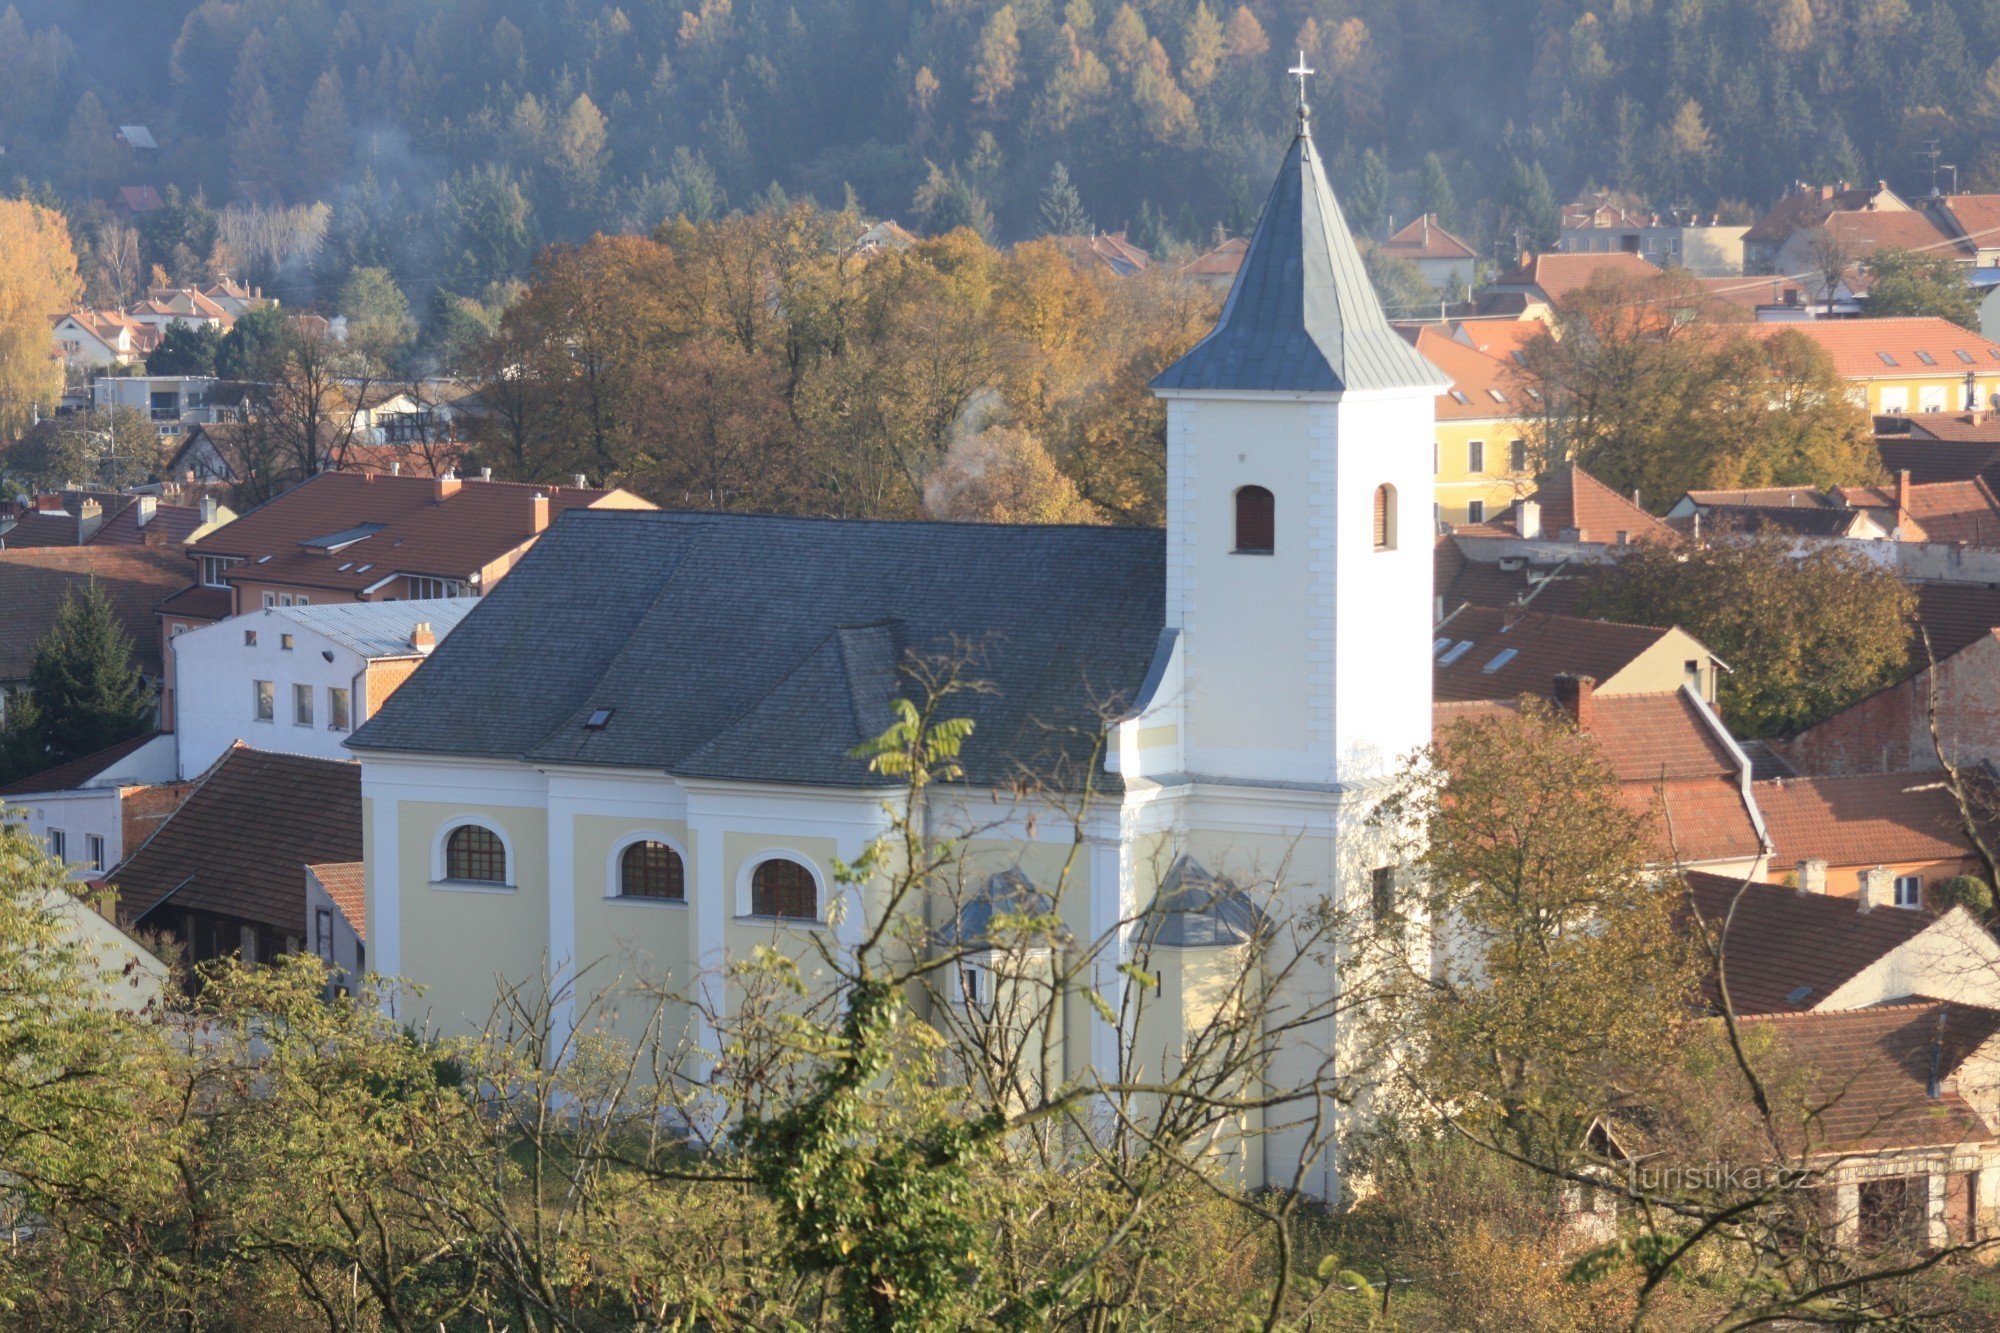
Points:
(1500, 659)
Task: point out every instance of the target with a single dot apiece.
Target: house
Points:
(35, 583)
(336, 921)
(1965, 512)
(1543, 282)
(1446, 263)
(366, 537)
(1802, 511)
(1890, 730)
(1107, 251)
(1942, 446)
(1701, 244)
(1672, 757)
(1906, 363)
(99, 339)
(1501, 654)
(172, 402)
(1973, 221)
(1216, 268)
(225, 873)
(138, 200)
(137, 137)
(89, 812)
(167, 306)
(1482, 456)
(1570, 506)
(1829, 834)
(297, 679)
(641, 770)
(1885, 1021)
(108, 518)
(1777, 240)
(205, 452)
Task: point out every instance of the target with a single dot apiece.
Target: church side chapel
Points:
(640, 754)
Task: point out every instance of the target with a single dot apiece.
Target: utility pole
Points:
(1930, 154)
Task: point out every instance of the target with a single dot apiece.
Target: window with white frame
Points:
(58, 840)
(213, 567)
(423, 588)
(302, 705)
(323, 934)
(1909, 890)
(1931, 398)
(93, 846)
(1895, 400)
(270, 600)
(266, 700)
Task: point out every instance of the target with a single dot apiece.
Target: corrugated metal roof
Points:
(379, 629)
(1302, 316)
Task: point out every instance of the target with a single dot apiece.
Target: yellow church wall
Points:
(629, 944)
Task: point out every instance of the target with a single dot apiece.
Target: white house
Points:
(297, 679)
(335, 922)
(638, 746)
(85, 813)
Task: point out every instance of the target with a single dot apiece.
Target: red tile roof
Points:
(239, 845)
(1871, 1074)
(1807, 208)
(1944, 511)
(1981, 427)
(1782, 943)
(1573, 500)
(69, 776)
(1976, 217)
(171, 526)
(418, 533)
(1864, 231)
(1956, 616)
(200, 603)
(1646, 737)
(1537, 647)
(1221, 262)
(1423, 238)
(1858, 345)
(346, 883)
(1557, 275)
(33, 584)
(1871, 819)
(1483, 387)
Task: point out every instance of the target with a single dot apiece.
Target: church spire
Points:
(1302, 315)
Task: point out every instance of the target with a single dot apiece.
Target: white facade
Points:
(332, 937)
(84, 827)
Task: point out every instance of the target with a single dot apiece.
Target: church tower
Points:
(1299, 512)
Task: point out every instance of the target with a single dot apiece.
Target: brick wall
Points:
(1890, 731)
(143, 809)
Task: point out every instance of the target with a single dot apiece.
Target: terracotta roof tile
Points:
(239, 844)
(1871, 1074)
(170, 526)
(1956, 616)
(1782, 943)
(1974, 216)
(1423, 238)
(1536, 646)
(197, 602)
(1574, 501)
(346, 883)
(1862, 231)
(1858, 346)
(1871, 819)
(417, 533)
(1981, 427)
(1557, 275)
(1476, 380)
(33, 583)
(1803, 209)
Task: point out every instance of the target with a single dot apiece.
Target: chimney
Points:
(208, 509)
(1528, 517)
(149, 505)
(1575, 696)
(1902, 496)
(89, 518)
(582, 482)
(421, 638)
(188, 477)
(538, 513)
(446, 486)
(395, 467)
(1812, 875)
(1876, 887)
(1826, 192)
(486, 474)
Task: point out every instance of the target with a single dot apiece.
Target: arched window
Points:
(1385, 518)
(651, 870)
(784, 889)
(475, 853)
(1256, 521)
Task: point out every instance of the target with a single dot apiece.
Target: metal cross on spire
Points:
(1299, 72)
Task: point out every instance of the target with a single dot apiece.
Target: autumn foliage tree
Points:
(38, 280)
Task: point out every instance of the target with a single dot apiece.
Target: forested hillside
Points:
(453, 136)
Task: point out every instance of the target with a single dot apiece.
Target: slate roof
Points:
(764, 649)
(239, 844)
(1302, 315)
(1781, 940)
(33, 584)
(1881, 1079)
(1197, 909)
(1799, 520)
(1536, 646)
(1864, 820)
(379, 629)
(1462, 577)
(346, 882)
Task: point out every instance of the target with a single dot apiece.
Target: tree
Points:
(996, 61)
(253, 347)
(1061, 211)
(325, 137)
(1832, 259)
(185, 349)
(1434, 192)
(577, 152)
(112, 449)
(1003, 476)
(947, 201)
(378, 315)
(86, 688)
(1804, 635)
(1528, 216)
(38, 279)
(1905, 282)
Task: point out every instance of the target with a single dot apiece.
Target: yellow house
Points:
(1906, 364)
(1482, 458)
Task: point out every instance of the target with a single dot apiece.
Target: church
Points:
(637, 753)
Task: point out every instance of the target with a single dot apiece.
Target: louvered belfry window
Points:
(1256, 521)
(784, 889)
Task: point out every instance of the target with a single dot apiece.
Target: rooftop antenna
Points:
(1930, 155)
(1299, 72)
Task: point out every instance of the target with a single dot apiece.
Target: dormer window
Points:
(1256, 521)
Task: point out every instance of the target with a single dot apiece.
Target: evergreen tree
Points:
(1434, 193)
(324, 137)
(86, 688)
(1368, 200)
(185, 349)
(1062, 211)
